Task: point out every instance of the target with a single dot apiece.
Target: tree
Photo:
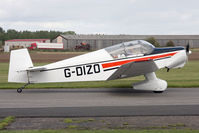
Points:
(13, 34)
(69, 33)
(170, 44)
(1, 30)
(153, 41)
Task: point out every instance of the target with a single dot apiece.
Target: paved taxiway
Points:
(98, 102)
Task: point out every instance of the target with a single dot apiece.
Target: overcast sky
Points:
(102, 16)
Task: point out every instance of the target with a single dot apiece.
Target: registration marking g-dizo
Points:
(82, 70)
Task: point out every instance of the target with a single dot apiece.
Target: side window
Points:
(133, 49)
(116, 51)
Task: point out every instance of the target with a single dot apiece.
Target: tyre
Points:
(158, 91)
(19, 90)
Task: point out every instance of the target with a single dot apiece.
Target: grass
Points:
(188, 76)
(72, 123)
(125, 124)
(6, 121)
(177, 125)
(102, 131)
(68, 120)
(72, 126)
(91, 119)
(195, 49)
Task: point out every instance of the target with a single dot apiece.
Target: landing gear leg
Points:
(19, 90)
(151, 83)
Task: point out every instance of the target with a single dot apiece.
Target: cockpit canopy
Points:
(130, 49)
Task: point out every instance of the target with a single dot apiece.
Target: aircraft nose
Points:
(178, 60)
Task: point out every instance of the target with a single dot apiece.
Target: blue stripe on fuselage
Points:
(169, 49)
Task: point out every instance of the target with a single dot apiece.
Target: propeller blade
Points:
(187, 48)
(188, 51)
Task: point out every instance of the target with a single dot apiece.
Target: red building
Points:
(23, 43)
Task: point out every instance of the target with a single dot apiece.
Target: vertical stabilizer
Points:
(20, 61)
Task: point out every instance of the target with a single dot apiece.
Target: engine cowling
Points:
(178, 60)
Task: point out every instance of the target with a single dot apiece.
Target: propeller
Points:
(187, 49)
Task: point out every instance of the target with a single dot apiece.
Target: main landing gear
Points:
(151, 83)
(19, 90)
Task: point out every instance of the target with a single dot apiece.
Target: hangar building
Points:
(23, 43)
(102, 41)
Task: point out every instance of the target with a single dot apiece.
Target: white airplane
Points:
(123, 60)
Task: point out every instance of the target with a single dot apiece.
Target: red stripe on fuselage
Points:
(119, 63)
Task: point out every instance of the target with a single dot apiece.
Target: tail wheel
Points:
(158, 91)
(19, 90)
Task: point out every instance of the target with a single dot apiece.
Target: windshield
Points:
(130, 49)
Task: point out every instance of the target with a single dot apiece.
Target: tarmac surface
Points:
(103, 102)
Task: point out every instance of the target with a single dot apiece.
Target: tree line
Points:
(14, 34)
(153, 41)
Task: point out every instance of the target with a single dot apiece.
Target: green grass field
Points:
(188, 76)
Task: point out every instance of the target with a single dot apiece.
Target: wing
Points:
(134, 69)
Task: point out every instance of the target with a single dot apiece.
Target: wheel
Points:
(19, 90)
(158, 91)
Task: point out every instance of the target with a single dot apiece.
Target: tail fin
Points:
(19, 62)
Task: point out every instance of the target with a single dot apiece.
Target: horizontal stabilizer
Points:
(34, 69)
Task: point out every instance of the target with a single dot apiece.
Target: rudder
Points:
(20, 61)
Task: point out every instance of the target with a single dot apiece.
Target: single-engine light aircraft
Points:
(127, 59)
